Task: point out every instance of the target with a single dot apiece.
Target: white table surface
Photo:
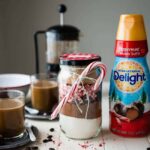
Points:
(105, 141)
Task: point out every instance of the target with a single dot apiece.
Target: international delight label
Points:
(130, 90)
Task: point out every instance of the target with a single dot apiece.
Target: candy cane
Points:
(77, 82)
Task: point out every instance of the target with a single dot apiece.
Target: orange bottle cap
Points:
(131, 28)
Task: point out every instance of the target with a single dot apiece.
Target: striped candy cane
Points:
(74, 88)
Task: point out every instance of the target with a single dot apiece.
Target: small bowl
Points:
(15, 81)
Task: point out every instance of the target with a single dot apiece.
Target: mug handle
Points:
(37, 49)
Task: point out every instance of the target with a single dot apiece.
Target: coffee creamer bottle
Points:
(130, 80)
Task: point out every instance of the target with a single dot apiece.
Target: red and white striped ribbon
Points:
(74, 88)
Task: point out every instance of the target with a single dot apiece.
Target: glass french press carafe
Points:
(60, 39)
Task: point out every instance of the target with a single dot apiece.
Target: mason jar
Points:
(80, 117)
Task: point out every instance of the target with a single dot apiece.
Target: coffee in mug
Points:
(11, 113)
(44, 91)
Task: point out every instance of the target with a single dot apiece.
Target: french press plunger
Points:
(60, 39)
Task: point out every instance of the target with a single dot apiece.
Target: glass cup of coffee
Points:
(11, 114)
(44, 91)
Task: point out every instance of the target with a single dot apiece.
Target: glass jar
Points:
(80, 117)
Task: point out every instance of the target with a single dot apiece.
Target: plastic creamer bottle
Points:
(130, 80)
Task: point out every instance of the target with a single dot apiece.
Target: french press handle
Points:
(36, 34)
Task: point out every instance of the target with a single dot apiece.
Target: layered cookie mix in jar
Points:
(80, 95)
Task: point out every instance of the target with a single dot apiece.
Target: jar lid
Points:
(65, 32)
(78, 59)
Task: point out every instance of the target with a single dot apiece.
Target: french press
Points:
(60, 39)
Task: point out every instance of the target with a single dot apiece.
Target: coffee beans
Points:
(52, 130)
(45, 140)
(32, 148)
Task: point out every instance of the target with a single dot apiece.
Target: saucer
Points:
(6, 144)
(39, 116)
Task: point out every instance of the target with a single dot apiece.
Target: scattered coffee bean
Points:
(34, 148)
(51, 149)
(45, 140)
(52, 130)
(50, 137)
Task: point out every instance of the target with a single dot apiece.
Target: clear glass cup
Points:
(44, 91)
(11, 113)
